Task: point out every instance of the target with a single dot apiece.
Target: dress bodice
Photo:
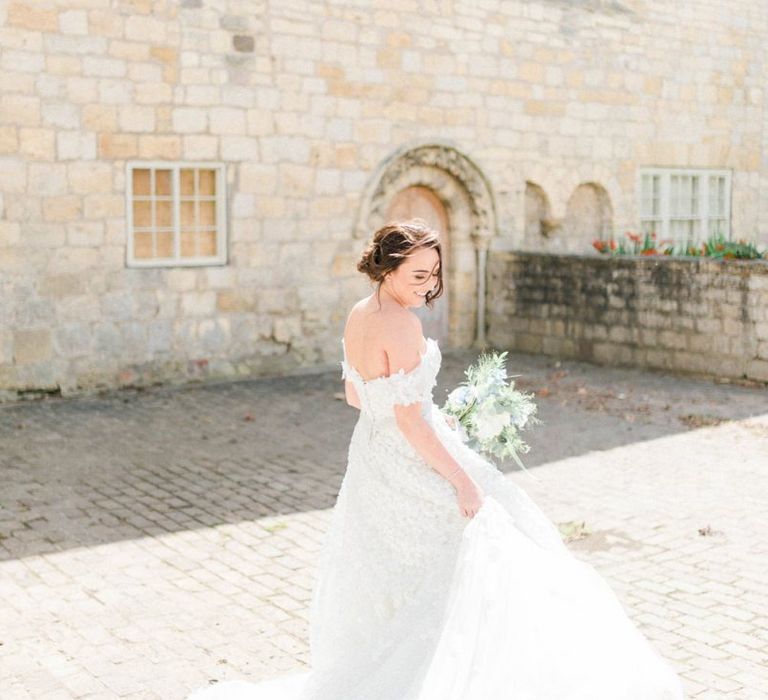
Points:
(379, 396)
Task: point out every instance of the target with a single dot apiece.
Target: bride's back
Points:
(371, 331)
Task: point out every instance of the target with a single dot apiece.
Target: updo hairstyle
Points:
(395, 241)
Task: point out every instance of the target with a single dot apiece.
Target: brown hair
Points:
(395, 241)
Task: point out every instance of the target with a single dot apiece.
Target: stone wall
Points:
(696, 315)
(313, 108)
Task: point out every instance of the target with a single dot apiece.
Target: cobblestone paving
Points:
(154, 541)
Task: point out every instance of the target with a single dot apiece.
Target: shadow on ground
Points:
(132, 463)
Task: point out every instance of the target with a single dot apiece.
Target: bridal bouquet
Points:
(489, 412)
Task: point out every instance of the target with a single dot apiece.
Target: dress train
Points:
(413, 601)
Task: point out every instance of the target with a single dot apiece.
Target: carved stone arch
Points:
(467, 197)
(428, 159)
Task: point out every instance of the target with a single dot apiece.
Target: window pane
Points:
(163, 214)
(207, 182)
(717, 196)
(187, 179)
(187, 215)
(142, 245)
(141, 181)
(694, 207)
(207, 243)
(649, 205)
(188, 244)
(689, 196)
(717, 227)
(142, 214)
(674, 196)
(207, 214)
(163, 182)
(165, 244)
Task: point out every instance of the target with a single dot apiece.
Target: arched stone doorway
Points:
(437, 180)
(421, 202)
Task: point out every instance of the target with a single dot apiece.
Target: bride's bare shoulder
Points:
(403, 327)
(383, 341)
(390, 323)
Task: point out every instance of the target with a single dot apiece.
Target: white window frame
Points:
(220, 258)
(703, 216)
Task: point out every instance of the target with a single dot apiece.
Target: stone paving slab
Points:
(153, 541)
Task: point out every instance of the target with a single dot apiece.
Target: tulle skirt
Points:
(521, 623)
(504, 612)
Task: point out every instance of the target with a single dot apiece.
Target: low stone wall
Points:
(697, 315)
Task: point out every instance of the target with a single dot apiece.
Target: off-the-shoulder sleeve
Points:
(402, 388)
(405, 389)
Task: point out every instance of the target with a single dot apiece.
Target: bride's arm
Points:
(422, 436)
(403, 352)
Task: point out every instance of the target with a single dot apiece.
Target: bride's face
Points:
(416, 275)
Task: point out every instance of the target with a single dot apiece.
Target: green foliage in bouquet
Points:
(489, 410)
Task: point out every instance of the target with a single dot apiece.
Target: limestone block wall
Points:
(306, 104)
(697, 315)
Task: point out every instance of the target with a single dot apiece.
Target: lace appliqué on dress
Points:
(379, 396)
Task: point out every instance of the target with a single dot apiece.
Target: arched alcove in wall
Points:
(537, 215)
(588, 215)
(440, 181)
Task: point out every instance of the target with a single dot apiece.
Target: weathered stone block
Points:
(61, 285)
(198, 303)
(72, 340)
(32, 346)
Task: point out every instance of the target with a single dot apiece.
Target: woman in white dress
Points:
(439, 578)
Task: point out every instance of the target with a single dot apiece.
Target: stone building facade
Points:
(186, 186)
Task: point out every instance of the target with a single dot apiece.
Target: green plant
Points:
(716, 246)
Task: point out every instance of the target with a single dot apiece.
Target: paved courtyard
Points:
(154, 541)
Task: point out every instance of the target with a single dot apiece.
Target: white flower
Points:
(489, 405)
(490, 424)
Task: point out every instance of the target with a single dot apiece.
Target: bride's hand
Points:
(469, 496)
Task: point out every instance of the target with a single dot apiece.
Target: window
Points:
(683, 205)
(176, 214)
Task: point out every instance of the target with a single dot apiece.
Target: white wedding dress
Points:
(414, 601)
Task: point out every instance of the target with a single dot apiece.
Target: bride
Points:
(439, 578)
